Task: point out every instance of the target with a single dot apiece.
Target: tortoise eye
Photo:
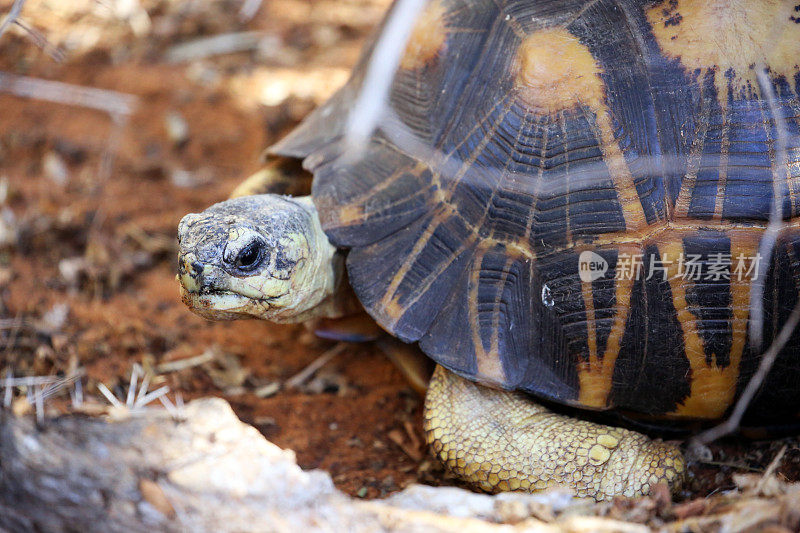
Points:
(251, 256)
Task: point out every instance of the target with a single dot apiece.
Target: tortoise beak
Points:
(190, 273)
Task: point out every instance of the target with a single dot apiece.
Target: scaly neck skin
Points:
(322, 284)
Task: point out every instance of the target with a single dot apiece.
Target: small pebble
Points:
(270, 389)
(55, 168)
(183, 179)
(177, 128)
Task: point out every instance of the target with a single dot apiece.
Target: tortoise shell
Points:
(568, 198)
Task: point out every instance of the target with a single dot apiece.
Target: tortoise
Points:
(563, 206)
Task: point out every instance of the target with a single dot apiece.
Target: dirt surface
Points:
(89, 203)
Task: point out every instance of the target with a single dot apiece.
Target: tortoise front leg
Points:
(408, 358)
(359, 327)
(280, 175)
(502, 441)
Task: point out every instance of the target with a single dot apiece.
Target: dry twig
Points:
(369, 105)
(188, 362)
(767, 360)
(304, 375)
(225, 43)
(768, 240)
(55, 53)
(112, 102)
(11, 18)
(773, 466)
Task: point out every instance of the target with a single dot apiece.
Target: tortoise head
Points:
(262, 256)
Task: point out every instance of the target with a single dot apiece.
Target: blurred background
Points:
(166, 107)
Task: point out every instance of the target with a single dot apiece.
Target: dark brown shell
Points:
(534, 152)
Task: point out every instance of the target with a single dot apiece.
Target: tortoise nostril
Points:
(197, 267)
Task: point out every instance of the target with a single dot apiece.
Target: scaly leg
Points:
(502, 441)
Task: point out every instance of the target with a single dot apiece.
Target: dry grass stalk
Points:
(112, 102)
(225, 43)
(11, 18)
